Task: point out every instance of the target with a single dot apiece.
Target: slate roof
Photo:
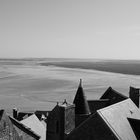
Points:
(113, 95)
(35, 125)
(135, 124)
(115, 116)
(92, 128)
(81, 104)
(94, 105)
(110, 123)
(21, 115)
(24, 128)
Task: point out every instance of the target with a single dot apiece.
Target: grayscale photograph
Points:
(69, 69)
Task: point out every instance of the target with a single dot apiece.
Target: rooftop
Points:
(116, 116)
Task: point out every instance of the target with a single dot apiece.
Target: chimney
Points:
(15, 113)
(134, 95)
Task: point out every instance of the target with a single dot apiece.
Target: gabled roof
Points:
(92, 128)
(113, 96)
(135, 124)
(21, 115)
(94, 105)
(115, 116)
(35, 125)
(81, 104)
(24, 128)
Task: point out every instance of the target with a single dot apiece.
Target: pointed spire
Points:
(81, 104)
(57, 103)
(80, 84)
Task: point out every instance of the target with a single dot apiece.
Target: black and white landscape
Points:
(32, 84)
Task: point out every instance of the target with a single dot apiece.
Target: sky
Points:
(104, 29)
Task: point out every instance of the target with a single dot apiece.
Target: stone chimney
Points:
(15, 113)
(60, 121)
(134, 95)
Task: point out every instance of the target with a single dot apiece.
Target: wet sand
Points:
(31, 86)
(117, 66)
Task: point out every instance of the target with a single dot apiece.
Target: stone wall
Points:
(7, 130)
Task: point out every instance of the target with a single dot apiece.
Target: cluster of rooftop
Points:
(112, 117)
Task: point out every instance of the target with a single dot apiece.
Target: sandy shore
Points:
(116, 66)
(31, 86)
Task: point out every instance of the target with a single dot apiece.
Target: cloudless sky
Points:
(70, 28)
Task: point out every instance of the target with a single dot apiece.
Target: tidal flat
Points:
(38, 84)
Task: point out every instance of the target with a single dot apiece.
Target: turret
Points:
(82, 110)
(81, 104)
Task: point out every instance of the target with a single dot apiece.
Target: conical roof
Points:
(81, 104)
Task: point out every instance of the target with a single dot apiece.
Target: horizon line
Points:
(19, 58)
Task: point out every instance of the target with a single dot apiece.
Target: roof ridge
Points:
(110, 127)
(15, 122)
(118, 93)
(121, 102)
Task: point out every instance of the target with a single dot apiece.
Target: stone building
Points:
(35, 125)
(24, 132)
(112, 117)
(110, 123)
(60, 121)
(7, 130)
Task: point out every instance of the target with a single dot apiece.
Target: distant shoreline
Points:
(130, 67)
(123, 67)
